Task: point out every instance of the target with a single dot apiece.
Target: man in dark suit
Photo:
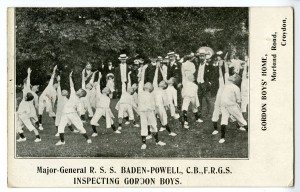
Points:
(121, 75)
(150, 71)
(203, 78)
(109, 68)
(174, 70)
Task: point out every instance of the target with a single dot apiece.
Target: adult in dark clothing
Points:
(135, 72)
(203, 78)
(150, 72)
(121, 75)
(174, 70)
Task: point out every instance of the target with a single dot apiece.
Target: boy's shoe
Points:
(83, 121)
(160, 143)
(94, 134)
(117, 131)
(186, 126)
(162, 129)
(89, 141)
(136, 125)
(242, 129)
(21, 139)
(75, 131)
(144, 146)
(176, 116)
(41, 128)
(222, 140)
(186, 123)
(215, 132)
(149, 137)
(172, 134)
(60, 143)
(127, 123)
(119, 128)
(38, 140)
(199, 120)
(57, 134)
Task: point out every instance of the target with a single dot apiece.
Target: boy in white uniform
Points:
(24, 118)
(161, 102)
(102, 109)
(244, 88)
(61, 101)
(47, 100)
(34, 102)
(125, 107)
(172, 98)
(190, 96)
(146, 106)
(71, 112)
(85, 101)
(230, 104)
(217, 107)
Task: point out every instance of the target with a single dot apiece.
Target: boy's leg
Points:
(95, 119)
(185, 107)
(224, 123)
(76, 121)
(131, 116)
(144, 129)
(20, 126)
(120, 116)
(30, 127)
(236, 112)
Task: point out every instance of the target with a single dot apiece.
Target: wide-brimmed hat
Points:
(159, 58)
(171, 53)
(202, 52)
(123, 57)
(219, 53)
(110, 75)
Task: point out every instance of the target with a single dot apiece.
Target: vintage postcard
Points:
(150, 97)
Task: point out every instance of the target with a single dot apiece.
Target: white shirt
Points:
(231, 95)
(24, 108)
(200, 77)
(172, 95)
(146, 101)
(126, 98)
(160, 97)
(123, 68)
(190, 89)
(73, 105)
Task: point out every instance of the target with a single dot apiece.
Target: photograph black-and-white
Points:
(161, 82)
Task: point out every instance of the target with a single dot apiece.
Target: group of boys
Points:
(149, 100)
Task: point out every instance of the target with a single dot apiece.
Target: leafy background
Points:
(71, 37)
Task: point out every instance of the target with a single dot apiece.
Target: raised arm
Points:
(82, 79)
(52, 76)
(93, 77)
(129, 80)
(28, 78)
(245, 70)
(141, 83)
(155, 84)
(58, 87)
(98, 88)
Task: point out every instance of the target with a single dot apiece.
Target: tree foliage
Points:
(69, 37)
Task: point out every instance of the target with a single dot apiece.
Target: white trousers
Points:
(161, 112)
(105, 112)
(148, 118)
(190, 100)
(235, 112)
(125, 110)
(46, 104)
(71, 118)
(22, 121)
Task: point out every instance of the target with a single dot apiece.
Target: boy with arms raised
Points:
(71, 111)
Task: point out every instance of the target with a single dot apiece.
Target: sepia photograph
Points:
(169, 82)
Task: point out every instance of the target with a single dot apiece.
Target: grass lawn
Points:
(197, 142)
